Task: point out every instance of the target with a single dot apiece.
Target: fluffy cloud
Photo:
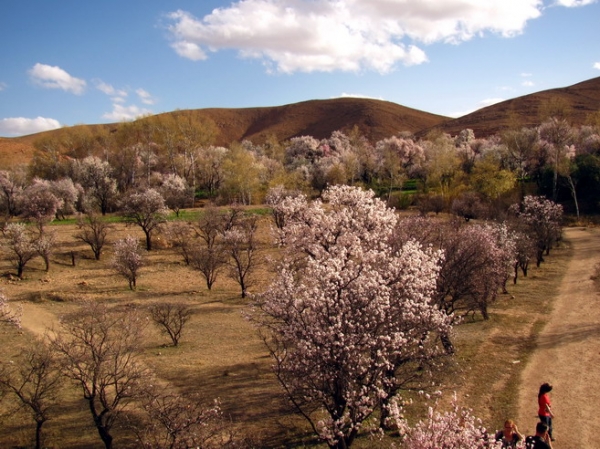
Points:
(348, 35)
(124, 113)
(54, 77)
(109, 89)
(144, 96)
(597, 65)
(20, 126)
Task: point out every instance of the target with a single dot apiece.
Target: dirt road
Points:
(568, 353)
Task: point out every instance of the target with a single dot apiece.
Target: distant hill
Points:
(375, 119)
(579, 101)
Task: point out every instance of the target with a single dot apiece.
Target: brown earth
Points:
(220, 353)
(567, 354)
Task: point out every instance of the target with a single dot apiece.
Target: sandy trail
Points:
(568, 353)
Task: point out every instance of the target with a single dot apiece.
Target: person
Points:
(509, 435)
(541, 439)
(544, 407)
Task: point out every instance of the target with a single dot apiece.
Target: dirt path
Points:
(568, 353)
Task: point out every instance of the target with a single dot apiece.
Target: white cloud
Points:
(124, 113)
(490, 101)
(144, 96)
(597, 65)
(20, 126)
(109, 90)
(347, 95)
(347, 35)
(528, 84)
(54, 77)
(482, 104)
(574, 3)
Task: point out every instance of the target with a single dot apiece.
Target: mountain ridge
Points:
(375, 119)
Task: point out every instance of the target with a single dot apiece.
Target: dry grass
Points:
(221, 356)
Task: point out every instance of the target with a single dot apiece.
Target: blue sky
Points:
(68, 62)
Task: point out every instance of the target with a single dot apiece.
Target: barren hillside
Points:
(375, 119)
(579, 102)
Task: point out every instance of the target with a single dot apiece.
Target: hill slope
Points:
(578, 100)
(375, 119)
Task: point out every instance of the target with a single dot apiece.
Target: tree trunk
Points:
(38, 434)
(148, 240)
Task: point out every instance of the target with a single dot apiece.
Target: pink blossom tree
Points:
(457, 428)
(476, 264)
(10, 188)
(542, 218)
(347, 310)
(39, 203)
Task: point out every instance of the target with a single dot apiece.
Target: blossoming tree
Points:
(347, 311)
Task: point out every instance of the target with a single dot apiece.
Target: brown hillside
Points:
(376, 119)
(580, 101)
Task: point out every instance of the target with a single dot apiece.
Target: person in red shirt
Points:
(544, 407)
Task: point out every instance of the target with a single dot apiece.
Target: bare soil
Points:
(567, 354)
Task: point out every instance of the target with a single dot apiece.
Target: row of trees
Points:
(176, 158)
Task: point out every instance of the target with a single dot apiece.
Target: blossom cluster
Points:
(347, 309)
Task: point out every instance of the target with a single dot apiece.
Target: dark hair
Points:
(544, 388)
(541, 427)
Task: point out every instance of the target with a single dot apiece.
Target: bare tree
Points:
(175, 422)
(35, 381)
(93, 230)
(99, 349)
(127, 259)
(171, 318)
(180, 235)
(242, 249)
(208, 261)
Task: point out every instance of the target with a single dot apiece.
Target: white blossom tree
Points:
(20, 244)
(96, 177)
(347, 311)
(147, 210)
(7, 314)
(127, 259)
